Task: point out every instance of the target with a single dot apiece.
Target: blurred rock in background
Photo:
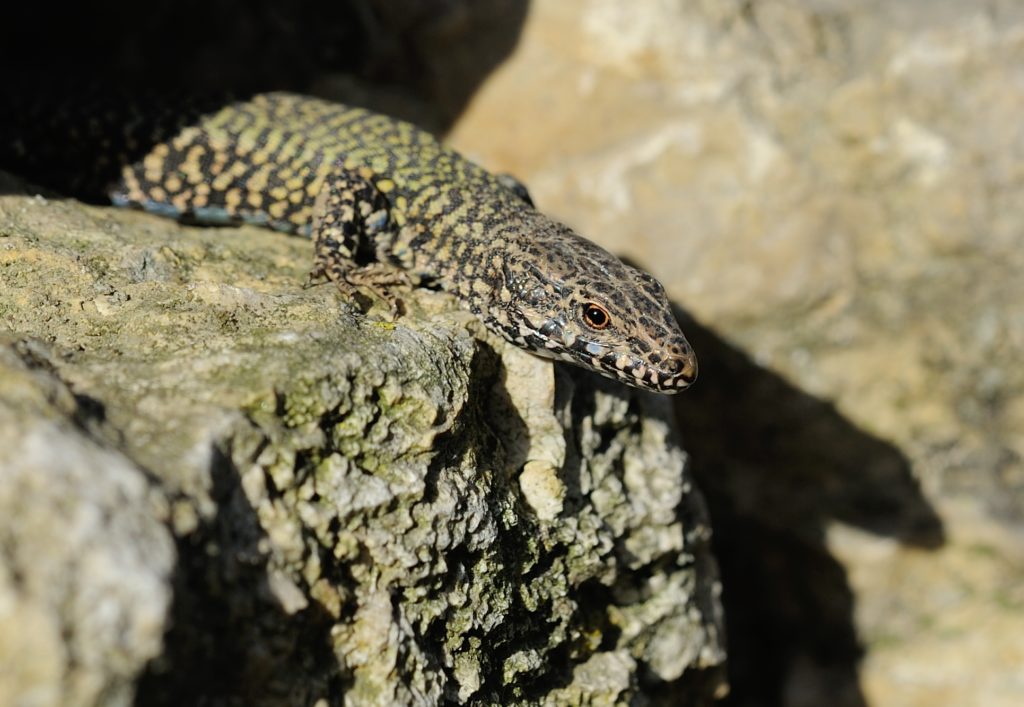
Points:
(835, 191)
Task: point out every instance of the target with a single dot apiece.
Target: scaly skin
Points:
(373, 190)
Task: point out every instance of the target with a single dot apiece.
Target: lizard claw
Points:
(362, 284)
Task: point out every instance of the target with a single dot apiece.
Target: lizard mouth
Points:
(663, 373)
(669, 375)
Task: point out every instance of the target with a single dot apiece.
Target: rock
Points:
(220, 487)
(834, 190)
(85, 556)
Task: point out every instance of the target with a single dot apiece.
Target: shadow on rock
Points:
(105, 83)
(439, 51)
(230, 640)
(777, 467)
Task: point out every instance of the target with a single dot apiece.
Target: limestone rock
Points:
(362, 510)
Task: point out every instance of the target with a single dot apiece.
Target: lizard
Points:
(387, 202)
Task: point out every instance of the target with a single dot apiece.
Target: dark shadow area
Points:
(437, 50)
(92, 86)
(509, 441)
(777, 467)
(228, 634)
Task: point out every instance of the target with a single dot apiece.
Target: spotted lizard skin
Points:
(385, 202)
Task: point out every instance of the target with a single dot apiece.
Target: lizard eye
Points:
(596, 316)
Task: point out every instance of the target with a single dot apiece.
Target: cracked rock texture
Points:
(217, 487)
(834, 188)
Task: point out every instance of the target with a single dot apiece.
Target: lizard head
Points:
(572, 300)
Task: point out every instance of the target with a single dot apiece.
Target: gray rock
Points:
(364, 510)
(85, 555)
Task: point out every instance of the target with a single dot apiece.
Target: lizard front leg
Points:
(349, 216)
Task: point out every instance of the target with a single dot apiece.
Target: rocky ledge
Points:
(220, 487)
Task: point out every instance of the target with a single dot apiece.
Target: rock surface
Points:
(217, 487)
(85, 556)
(835, 190)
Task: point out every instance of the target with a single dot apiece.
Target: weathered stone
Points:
(85, 556)
(365, 511)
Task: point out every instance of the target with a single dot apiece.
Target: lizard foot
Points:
(378, 279)
(382, 280)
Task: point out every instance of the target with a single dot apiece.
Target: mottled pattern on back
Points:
(264, 161)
